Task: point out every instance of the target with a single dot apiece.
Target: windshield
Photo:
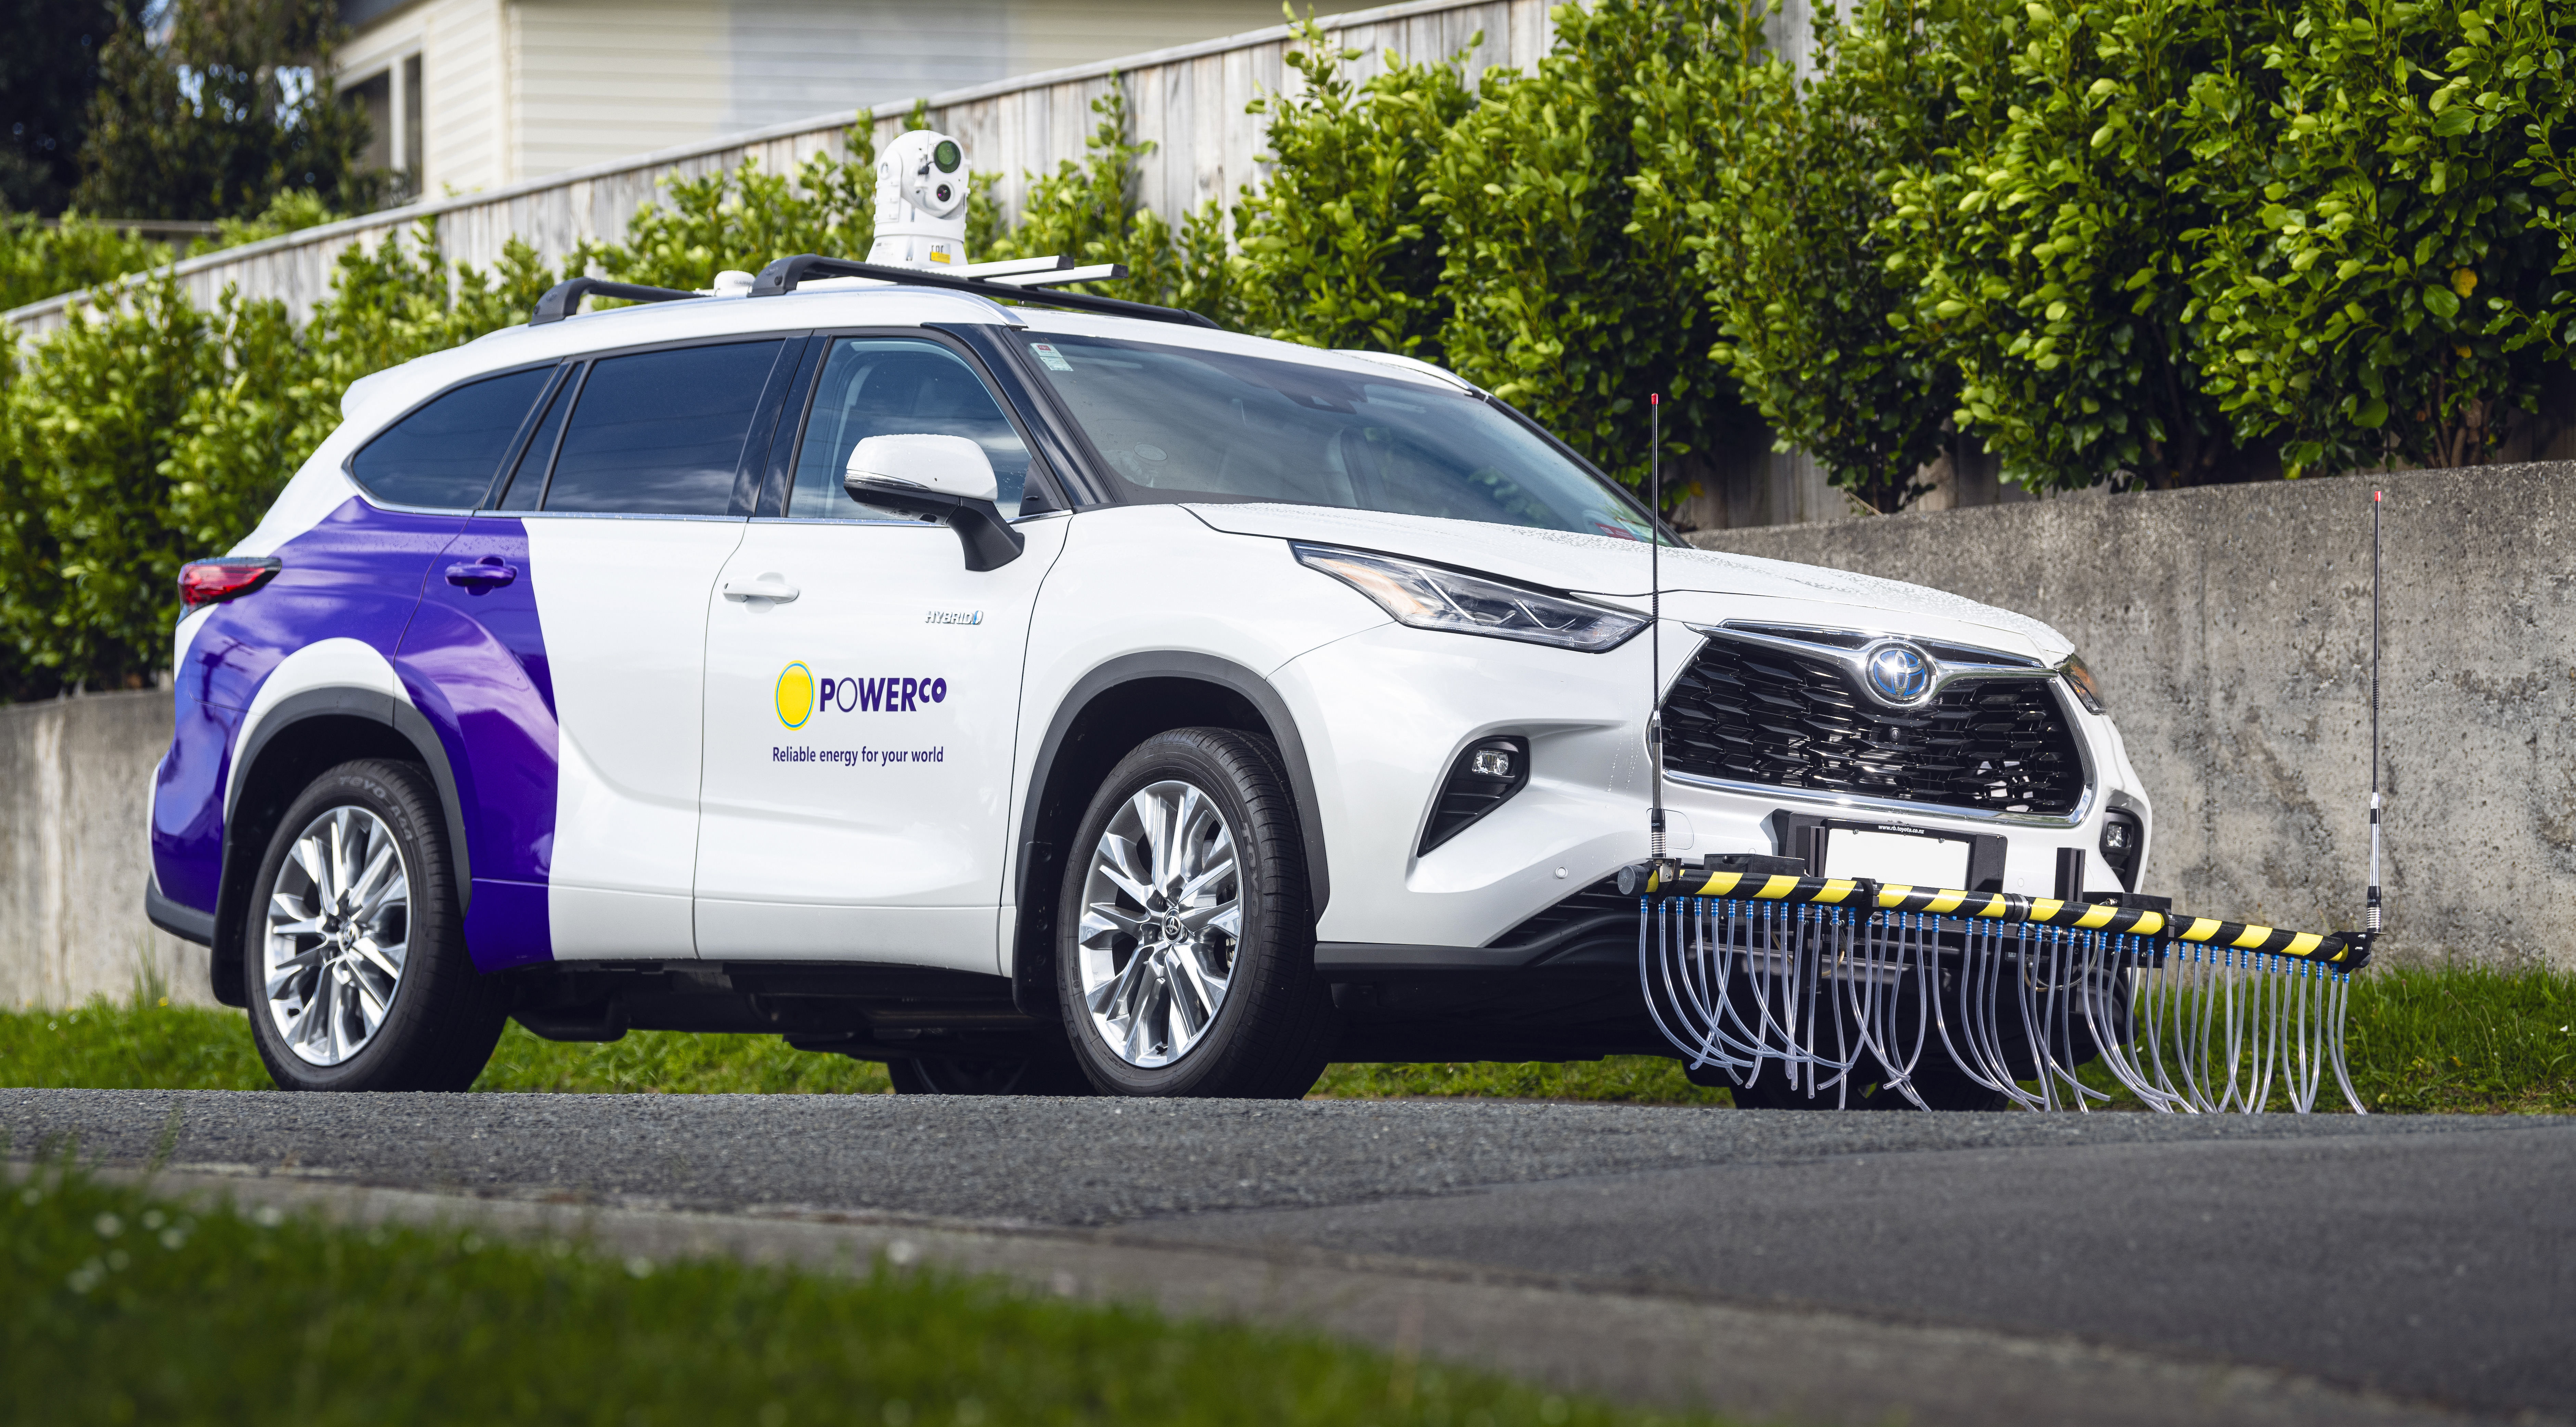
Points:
(1173, 424)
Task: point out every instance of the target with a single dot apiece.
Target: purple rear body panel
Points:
(474, 662)
(355, 575)
(471, 659)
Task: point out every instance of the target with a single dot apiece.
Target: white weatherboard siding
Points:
(466, 95)
(596, 80)
(796, 60)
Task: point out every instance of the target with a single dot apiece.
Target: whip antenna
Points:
(2377, 499)
(1655, 623)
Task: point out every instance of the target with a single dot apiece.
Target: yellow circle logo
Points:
(795, 695)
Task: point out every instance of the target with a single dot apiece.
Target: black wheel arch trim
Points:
(337, 701)
(1134, 668)
(375, 706)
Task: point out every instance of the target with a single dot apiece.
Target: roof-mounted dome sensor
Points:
(921, 203)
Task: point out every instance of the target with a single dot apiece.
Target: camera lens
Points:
(946, 157)
(940, 193)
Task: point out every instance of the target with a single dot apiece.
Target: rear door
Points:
(593, 573)
(863, 691)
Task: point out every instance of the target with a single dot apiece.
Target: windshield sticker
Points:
(1054, 359)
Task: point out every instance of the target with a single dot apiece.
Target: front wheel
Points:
(354, 960)
(1185, 954)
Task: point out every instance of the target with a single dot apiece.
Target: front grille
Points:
(1751, 714)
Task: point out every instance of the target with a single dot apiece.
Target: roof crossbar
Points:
(781, 277)
(564, 298)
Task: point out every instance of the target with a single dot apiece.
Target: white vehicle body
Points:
(691, 823)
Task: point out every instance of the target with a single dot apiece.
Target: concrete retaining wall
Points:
(2231, 627)
(75, 787)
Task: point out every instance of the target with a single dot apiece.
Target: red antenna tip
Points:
(2379, 495)
(1655, 399)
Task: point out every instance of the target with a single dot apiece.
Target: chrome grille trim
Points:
(1844, 654)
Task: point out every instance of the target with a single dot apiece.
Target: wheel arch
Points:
(1105, 714)
(330, 726)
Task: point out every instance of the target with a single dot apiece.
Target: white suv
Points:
(1050, 698)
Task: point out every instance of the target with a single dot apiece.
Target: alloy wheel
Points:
(1162, 914)
(338, 929)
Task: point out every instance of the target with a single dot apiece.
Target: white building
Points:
(473, 94)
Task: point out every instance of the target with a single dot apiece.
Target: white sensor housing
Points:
(921, 203)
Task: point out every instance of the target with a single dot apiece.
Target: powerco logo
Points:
(801, 693)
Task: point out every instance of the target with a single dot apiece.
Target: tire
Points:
(980, 1075)
(1138, 975)
(374, 988)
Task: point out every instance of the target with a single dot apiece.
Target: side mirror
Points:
(944, 478)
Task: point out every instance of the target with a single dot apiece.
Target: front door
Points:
(863, 693)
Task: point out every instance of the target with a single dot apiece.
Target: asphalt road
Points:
(2432, 1259)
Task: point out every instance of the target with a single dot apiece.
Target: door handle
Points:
(767, 587)
(488, 573)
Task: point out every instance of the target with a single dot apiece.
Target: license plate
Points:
(1906, 858)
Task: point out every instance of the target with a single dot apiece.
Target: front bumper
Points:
(1387, 712)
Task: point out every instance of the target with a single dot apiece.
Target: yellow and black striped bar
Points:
(1859, 894)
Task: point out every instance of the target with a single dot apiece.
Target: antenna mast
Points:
(1655, 623)
(2377, 499)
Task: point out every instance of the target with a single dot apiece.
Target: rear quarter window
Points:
(443, 456)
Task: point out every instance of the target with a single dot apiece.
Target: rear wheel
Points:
(1185, 954)
(354, 963)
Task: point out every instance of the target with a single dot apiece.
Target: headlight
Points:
(1428, 597)
(2080, 679)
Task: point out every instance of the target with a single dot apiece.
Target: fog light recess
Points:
(2123, 838)
(1483, 779)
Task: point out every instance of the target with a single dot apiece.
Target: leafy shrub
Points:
(746, 218)
(151, 433)
(1088, 211)
(1342, 248)
(2375, 281)
(2043, 243)
(1779, 190)
(36, 262)
(1560, 300)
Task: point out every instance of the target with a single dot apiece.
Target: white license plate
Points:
(1896, 857)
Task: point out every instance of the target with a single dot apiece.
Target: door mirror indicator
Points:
(944, 478)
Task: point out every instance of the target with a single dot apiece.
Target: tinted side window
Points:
(661, 433)
(894, 387)
(528, 484)
(444, 455)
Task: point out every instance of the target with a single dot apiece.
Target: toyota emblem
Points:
(1898, 673)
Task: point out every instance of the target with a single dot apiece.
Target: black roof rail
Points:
(564, 298)
(781, 277)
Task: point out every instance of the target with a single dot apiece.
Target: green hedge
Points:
(2153, 242)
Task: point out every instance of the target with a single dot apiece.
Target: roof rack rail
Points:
(564, 298)
(781, 277)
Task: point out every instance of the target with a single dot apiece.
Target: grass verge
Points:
(2466, 1039)
(115, 1307)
